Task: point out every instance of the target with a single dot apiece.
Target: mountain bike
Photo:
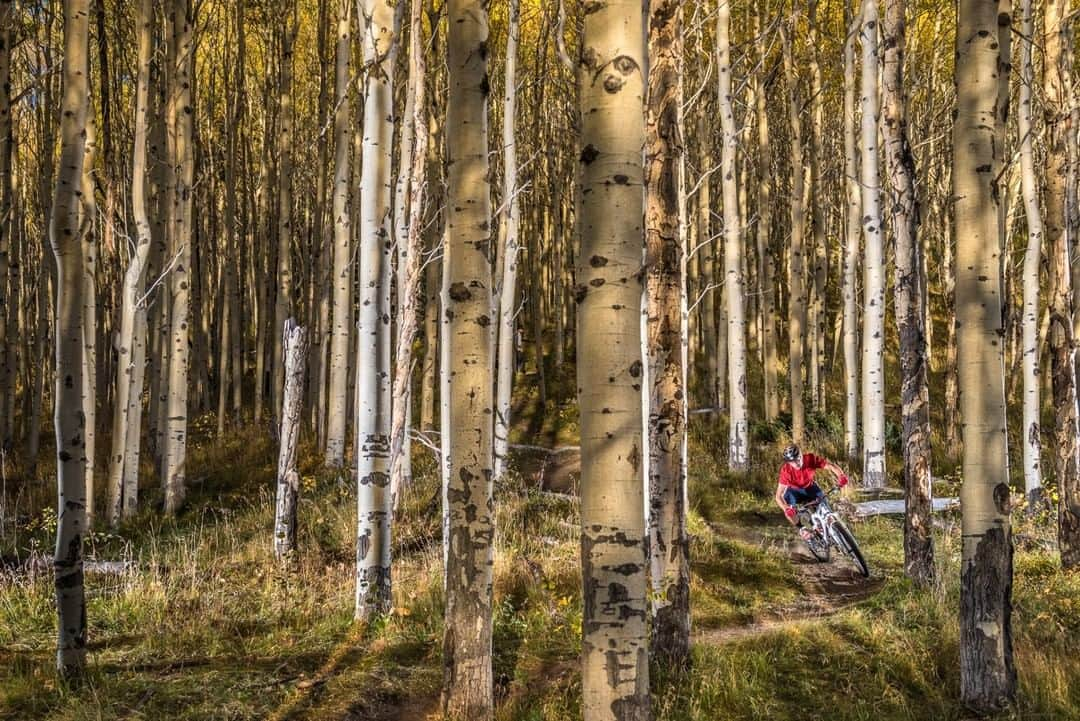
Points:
(828, 531)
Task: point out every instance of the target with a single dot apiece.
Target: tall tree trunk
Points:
(181, 125)
(408, 290)
(914, 395)
(738, 437)
(615, 659)
(341, 300)
(128, 395)
(1057, 76)
(664, 260)
(767, 268)
(88, 236)
(507, 301)
(467, 692)
(852, 232)
(796, 295)
(295, 347)
(373, 344)
(987, 676)
(68, 399)
(816, 192)
(874, 261)
(1032, 427)
(283, 304)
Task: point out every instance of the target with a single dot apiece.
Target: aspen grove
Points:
(473, 360)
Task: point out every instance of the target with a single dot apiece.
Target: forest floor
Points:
(200, 623)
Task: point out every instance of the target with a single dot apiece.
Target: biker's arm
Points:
(837, 471)
(780, 489)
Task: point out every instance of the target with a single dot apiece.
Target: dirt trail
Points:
(827, 587)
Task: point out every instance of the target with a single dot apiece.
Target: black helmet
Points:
(791, 453)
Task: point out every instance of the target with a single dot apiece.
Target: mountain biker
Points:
(796, 484)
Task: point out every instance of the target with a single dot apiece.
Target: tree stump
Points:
(295, 348)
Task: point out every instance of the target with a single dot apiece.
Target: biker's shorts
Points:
(795, 496)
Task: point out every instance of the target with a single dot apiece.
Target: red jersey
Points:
(801, 477)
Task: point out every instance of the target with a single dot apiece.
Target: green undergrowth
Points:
(206, 626)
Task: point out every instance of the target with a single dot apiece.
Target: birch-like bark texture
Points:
(283, 303)
(615, 659)
(373, 328)
(873, 260)
(128, 395)
(511, 217)
(405, 310)
(467, 686)
(766, 265)
(294, 344)
(796, 296)
(341, 308)
(987, 676)
(1057, 74)
(914, 394)
(69, 419)
(734, 284)
(852, 231)
(408, 291)
(182, 160)
(1032, 409)
(88, 236)
(665, 250)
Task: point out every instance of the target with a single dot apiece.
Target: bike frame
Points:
(823, 518)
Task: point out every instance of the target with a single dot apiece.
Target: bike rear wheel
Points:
(850, 547)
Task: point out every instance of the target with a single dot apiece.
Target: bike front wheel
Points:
(847, 542)
(819, 547)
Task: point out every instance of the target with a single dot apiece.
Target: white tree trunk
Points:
(987, 674)
(181, 237)
(337, 396)
(373, 341)
(874, 261)
(851, 248)
(738, 437)
(128, 369)
(68, 399)
(295, 347)
(468, 692)
(615, 668)
(510, 220)
(1032, 428)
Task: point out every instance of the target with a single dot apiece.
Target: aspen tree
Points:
(373, 347)
(1031, 428)
(664, 259)
(873, 260)
(734, 284)
(766, 265)
(608, 294)
(914, 395)
(467, 688)
(852, 232)
(88, 211)
(66, 244)
(1057, 76)
(181, 128)
(987, 675)
(283, 304)
(129, 395)
(341, 308)
(408, 291)
(796, 297)
(507, 300)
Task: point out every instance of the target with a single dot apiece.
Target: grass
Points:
(207, 627)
